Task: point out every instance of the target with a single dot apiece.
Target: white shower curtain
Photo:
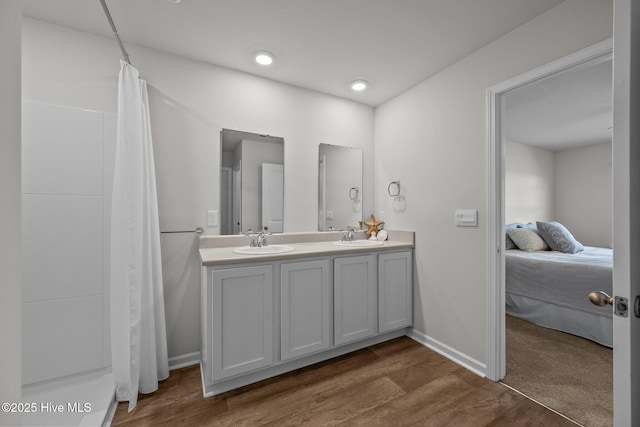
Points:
(138, 333)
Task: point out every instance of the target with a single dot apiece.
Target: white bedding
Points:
(551, 289)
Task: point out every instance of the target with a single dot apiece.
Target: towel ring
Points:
(394, 188)
(353, 193)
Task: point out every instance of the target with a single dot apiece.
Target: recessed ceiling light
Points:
(359, 85)
(264, 58)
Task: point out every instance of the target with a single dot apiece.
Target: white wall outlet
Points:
(329, 215)
(382, 216)
(212, 218)
(466, 217)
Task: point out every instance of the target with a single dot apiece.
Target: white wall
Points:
(572, 186)
(10, 307)
(584, 193)
(529, 183)
(190, 103)
(433, 139)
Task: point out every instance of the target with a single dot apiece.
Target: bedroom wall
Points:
(529, 183)
(433, 139)
(190, 103)
(584, 193)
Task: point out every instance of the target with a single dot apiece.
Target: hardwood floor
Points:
(396, 383)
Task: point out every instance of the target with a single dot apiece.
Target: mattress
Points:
(551, 289)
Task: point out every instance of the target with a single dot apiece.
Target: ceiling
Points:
(318, 44)
(567, 110)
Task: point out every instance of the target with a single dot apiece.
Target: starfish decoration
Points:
(372, 224)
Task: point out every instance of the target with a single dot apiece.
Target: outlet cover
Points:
(212, 218)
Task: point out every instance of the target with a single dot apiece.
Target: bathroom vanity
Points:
(307, 299)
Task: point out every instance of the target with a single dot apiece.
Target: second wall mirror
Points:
(339, 187)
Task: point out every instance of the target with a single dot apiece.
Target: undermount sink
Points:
(263, 250)
(360, 243)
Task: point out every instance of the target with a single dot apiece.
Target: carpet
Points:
(572, 375)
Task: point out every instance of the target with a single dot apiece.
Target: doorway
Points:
(499, 212)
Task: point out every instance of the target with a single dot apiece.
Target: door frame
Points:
(626, 212)
(236, 190)
(495, 339)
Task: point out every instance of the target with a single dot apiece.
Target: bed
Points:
(551, 289)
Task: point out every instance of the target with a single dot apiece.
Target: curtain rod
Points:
(125, 55)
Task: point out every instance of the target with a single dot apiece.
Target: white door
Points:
(322, 225)
(626, 215)
(272, 197)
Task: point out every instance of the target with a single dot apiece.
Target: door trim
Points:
(496, 349)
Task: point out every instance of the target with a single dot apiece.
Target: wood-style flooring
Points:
(396, 383)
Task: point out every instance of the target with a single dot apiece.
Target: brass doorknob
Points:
(600, 298)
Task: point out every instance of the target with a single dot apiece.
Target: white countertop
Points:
(218, 250)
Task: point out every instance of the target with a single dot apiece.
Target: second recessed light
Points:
(264, 58)
(359, 85)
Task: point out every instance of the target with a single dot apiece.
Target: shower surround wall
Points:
(67, 169)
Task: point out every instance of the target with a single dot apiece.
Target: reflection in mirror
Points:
(251, 182)
(339, 187)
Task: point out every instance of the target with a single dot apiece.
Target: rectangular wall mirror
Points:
(251, 182)
(339, 187)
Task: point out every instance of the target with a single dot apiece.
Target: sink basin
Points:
(360, 243)
(263, 250)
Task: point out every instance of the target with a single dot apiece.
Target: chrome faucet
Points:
(349, 235)
(253, 238)
(257, 240)
(262, 239)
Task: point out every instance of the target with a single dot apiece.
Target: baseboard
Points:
(111, 412)
(184, 360)
(452, 354)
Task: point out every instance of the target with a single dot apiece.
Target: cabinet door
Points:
(242, 320)
(355, 298)
(305, 308)
(395, 291)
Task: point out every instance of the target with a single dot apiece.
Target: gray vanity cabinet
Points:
(395, 291)
(305, 308)
(241, 320)
(355, 298)
(262, 318)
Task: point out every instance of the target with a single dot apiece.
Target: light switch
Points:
(212, 218)
(466, 217)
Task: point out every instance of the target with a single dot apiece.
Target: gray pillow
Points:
(559, 238)
(527, 240)
(508, 243)
(528, 226)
